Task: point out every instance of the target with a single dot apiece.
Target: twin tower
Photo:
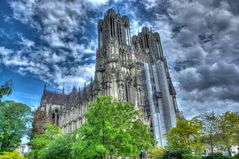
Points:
(131, 69)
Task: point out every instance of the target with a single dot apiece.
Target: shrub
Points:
(157, 153)
(191, 156)
(180, 154)
(60, 148)
(174, 154)
(216, 156)
(11, 155)
(236, 156)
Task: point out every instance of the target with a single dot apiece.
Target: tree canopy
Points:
(40, 142)
(11, 155)
(209, 130)
(112, 128)
(5, 89)
(14, 121)
(186, 136)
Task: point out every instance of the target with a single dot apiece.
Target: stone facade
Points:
(131, 69)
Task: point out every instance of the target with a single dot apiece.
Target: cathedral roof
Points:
(55, 98)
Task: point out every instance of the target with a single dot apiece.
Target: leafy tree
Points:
(228, 130)
(11, 155)
(5, 89)
(14, 119)
(112, 129)
(157, 152)
(210, 122)
(41, 141)
(185, 136)
(59, 148)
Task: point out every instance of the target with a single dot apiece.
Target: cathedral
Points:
(132, 69)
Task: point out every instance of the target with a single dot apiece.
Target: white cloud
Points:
(26, 42)
(4, 51)
(150, 3)
(59, 24)
(98, 2)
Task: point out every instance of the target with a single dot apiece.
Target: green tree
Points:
(14, 122)
(112, 129)
(157, 152)
(210, 122)
(179, 154)
(228, 130)
(11, 155)
(41, 141)
(185, 136)
(5, 89)
(59, 148)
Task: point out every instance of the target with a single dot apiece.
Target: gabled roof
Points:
(55, 98)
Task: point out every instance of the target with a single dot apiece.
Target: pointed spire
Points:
(44, 90)
(84, 90)
(79, 93)
(74, 90)
(44, 86)
(63, 89)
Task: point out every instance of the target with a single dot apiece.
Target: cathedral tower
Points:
(129, 69)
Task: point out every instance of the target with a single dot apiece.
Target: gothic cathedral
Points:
(132, 69)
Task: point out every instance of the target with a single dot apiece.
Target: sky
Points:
(54, 42)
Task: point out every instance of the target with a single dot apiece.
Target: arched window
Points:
(53, 117)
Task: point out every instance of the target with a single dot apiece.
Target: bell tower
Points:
(113, 29)
(114, 55)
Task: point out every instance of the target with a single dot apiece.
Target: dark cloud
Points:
(221, 76)
(207, 69)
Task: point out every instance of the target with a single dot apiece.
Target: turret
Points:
(63, 88)
(148, 42)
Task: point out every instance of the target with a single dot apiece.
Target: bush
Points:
(11, 155)
(60, 148)
(180, 154)
(216, 156)
(191, 156)
(157, 153)
(236, 156)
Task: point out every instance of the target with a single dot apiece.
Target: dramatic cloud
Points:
(67, 44)
(207, 68)
(199, 38)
